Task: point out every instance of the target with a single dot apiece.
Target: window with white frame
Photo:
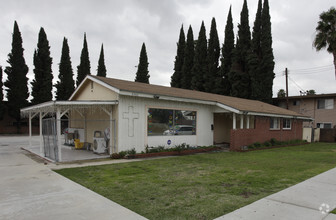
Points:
(324, 125)
(325, 104)
(274, 123)
(286, 124)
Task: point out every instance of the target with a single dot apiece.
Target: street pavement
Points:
(30, 190)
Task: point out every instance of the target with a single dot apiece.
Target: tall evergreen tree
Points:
(42, 83)
(239, 74)
(188, 61)
(17, 88)
(142, 73)
(1, 85)
(212, 75)
(267, 60)
(2, 106)
(224, 85)
(255, 56)
(176, 78)
(101, 70)
(83, 69)
(257, 29)
(200, 67)
(66, 84)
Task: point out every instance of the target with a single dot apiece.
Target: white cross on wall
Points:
(130, 116)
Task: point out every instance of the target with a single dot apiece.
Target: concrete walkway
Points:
(30, 190)
(311, 199)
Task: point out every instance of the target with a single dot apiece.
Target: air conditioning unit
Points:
(99, 143)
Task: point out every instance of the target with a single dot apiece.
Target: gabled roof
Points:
(237, 105)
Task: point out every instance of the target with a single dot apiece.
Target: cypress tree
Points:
(2, 106)
(1, 85)
(42, 83)
(101, 70)
(224, 86)
(142, 72)
(176, 78)
(83, 69)
(211, 77)
(254, 58)
(16, 83)
(267, 60)
(256, 34)
(200, 68)
(188, 61)
(239, 74)
(66, 85)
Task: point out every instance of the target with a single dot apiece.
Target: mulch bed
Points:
(279, 146)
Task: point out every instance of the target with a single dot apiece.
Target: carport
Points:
(54, 111)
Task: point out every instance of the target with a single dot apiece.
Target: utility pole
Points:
(286, 74)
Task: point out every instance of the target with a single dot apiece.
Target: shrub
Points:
(267, 144)
(273, 141)
(251, 146)
(132, 151)
(115, 156)
(256, 144)
(156, 149)
(181, 147)
(122, 154)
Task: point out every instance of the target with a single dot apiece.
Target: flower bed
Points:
(273, 143)
(182, 149)
(174, 153)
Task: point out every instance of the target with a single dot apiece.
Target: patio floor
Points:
(69, 153)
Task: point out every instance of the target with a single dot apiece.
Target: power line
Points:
(314, 68)
(301, 89)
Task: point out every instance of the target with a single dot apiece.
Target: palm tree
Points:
(326, 33)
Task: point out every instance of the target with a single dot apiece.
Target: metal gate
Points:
(49, 133)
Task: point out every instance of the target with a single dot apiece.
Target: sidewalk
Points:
(311, 199)
(31, 191)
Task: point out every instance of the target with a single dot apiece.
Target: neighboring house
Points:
(8, 125)
(319, 107)
(140, 115)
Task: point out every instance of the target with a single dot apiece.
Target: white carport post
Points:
(241, 121)
(234, 121)
(111, 125)
(41, 131)
(30, 129)
(41, 138)
(247, 121)
(58, 127)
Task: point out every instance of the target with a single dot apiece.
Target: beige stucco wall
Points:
(222, 127)
(308, 107)
(95, 120)
(93, 91)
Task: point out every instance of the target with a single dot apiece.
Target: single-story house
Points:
(139, 115)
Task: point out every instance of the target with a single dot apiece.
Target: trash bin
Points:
(78, 144)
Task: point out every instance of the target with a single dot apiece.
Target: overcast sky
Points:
(122, 26)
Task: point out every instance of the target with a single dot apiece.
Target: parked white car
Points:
(180, 130)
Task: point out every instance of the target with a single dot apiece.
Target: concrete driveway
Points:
(30, 190)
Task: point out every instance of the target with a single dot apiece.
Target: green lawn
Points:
(204, 186)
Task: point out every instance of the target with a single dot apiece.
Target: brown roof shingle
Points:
(237, 103)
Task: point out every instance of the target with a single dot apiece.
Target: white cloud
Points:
(122, 26)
